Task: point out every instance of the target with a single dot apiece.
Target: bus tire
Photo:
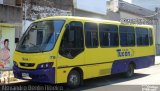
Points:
(74, 79)
(130, 71)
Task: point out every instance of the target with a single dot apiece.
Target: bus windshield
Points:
(40, 36)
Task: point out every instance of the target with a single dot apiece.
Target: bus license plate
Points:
(25, 75)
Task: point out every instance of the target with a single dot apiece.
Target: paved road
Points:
(144, 80)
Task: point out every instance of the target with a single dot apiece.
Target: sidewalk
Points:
(157, 60)
(8, 78)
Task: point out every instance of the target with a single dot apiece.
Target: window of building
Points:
(108, 35)
(91, 33)
(142, 36)
(127, 36)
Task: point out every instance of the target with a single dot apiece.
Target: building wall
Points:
(126, 15)
(82, 13)
(113, 16)
(9, 2)
(13, 15)
(10, 14)
(109, 16)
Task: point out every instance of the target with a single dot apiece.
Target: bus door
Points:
(71, 48)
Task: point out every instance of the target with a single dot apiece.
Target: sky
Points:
(149, 4)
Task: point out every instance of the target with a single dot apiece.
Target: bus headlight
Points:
(45, 65)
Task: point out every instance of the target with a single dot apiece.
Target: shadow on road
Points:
(88, 84)
(107, 80)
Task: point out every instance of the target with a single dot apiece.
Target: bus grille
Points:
(27, 64)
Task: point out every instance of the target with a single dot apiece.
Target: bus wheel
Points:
(130, 71)
(74, 79)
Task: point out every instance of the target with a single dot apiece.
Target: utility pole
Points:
(157, 10)
(25, 14)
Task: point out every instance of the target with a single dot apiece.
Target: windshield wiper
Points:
(37, 47)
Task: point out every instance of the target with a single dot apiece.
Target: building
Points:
(11, 13)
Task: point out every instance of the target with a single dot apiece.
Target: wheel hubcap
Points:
(74, 79)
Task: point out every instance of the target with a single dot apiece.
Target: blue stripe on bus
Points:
(120, 66)
(38, 75)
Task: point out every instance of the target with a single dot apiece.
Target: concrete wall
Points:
(158, 36)
(9, 2)
(10, 14)
(13, 15)
(109, 16)
(129, 15)
(88, 14)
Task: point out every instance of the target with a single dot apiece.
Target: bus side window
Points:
(72, 41)
(127, 36)
(108, 35)
(142, 36)
(91, 33)
(150, 37)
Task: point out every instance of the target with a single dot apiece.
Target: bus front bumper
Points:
(38, 75)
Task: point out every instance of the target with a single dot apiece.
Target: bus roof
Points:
(91, 19)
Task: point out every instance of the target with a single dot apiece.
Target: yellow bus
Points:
(67, 49)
